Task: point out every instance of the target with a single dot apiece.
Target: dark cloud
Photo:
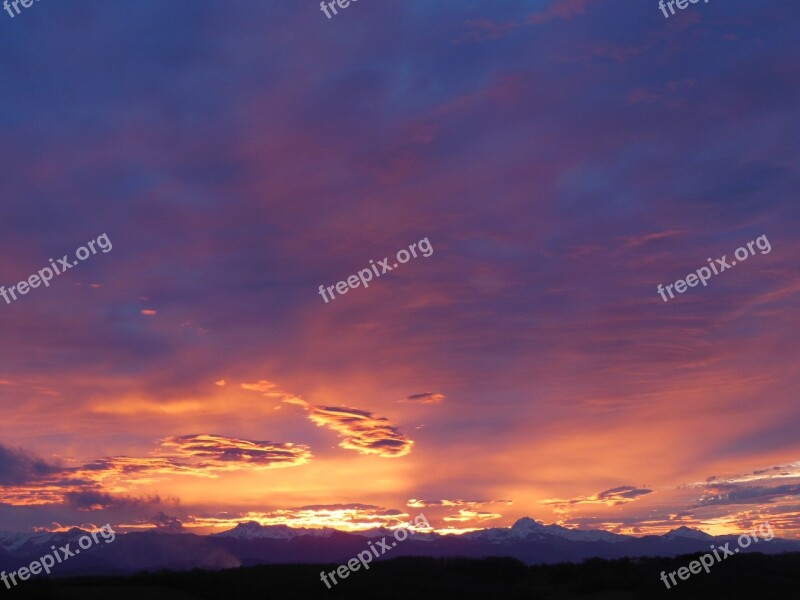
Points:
(763, 486)
(623, 493)
(425, 398)
(746, 494)
(89, 500)
(164, 522)
(18, 466)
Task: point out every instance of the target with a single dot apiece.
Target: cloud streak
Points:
(425, 398)
(219, 453)
(611, 497)
(360, 429)
(30, 481)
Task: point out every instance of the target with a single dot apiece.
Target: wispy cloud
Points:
(29, 480)
(425, 398)
(759, 487)
(611, 497)
(361, 431)
(215, 452)
(346, 517)
(415, 503)
(466, 514)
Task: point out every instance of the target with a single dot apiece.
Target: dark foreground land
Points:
(747, 576)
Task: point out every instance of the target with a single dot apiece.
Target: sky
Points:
(550, 162)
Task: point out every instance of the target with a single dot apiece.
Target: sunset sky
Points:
(562, 157)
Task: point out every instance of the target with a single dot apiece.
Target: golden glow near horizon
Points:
(204, 469)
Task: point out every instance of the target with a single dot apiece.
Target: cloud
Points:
(527, 341)
(622, 494)
(362, 432)
(86, 487)
(20, 466)
(414, 503)
(787, 471)
(346, 517)
(27, 480)
(648, 238)
(56, 527)
(560, 9)
(425, 398)
(271, 390)
(89, 500)
(164, 522)
(468, 511)
(263, 386)
(632, 524)
(487, 29)
(216, 452)
(471, 515)
(784, 519)
(743, 494)
(611, 497)
(759, 487)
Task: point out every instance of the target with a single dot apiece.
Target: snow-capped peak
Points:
(687, 533)
(13, 540)
(526, 525)
(523, 529)
(529, 529)
(251, 530)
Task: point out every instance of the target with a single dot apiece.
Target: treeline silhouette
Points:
(743, 576)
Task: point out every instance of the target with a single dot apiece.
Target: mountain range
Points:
(251, 544)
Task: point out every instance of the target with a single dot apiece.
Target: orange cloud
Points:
(263, 386)
(345, 517)
(612, 497)
(414, 503)
(222, 453)
(27, 480)
(362, 432)
(471, 515)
